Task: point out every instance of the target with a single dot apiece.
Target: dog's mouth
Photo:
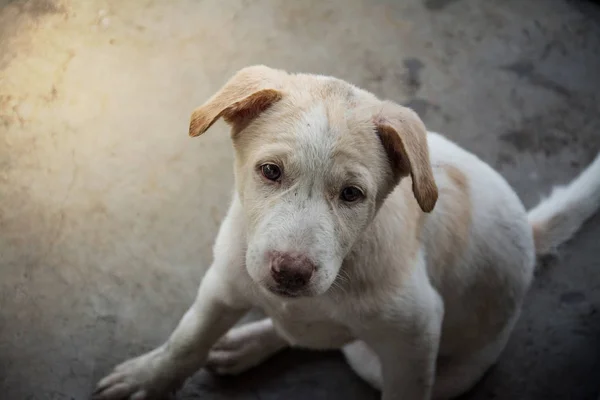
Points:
(283, 292)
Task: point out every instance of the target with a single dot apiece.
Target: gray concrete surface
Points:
(108, 210)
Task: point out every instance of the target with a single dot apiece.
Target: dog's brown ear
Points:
(404, 138)
(248, 93)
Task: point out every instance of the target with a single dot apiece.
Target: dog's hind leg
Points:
(364, 362)
(456, 376)
(453, 378)
(245, 347)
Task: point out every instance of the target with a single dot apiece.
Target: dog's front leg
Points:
(406, 340)
(218, 306)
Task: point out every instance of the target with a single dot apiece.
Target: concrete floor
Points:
(108, 210)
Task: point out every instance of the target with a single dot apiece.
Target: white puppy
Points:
(333, 233)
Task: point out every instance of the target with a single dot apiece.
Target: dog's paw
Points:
(147, 377)
(241, 349)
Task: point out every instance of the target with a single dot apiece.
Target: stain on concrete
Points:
(412, 77)
(521, 140)
(554, 46)
(572, 298)
(537, 141)
(504, 159)
(374, 71)
(555, 130)
(438, 5)
(37, 8)
(526, 70)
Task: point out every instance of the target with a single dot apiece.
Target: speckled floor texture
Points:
(108, 210)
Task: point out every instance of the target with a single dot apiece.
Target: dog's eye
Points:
(270, 171)
(351, 194)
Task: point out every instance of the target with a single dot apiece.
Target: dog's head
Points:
(315, 158)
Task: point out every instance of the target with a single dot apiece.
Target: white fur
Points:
(561, 215)
(245, 347)
(417, 320)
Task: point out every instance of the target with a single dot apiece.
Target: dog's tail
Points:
(557, 218)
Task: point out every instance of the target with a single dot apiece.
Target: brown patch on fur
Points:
(405, 139)
(462, 215)
(414, 220)
(251, 91)
(451, 238)
(459, 179)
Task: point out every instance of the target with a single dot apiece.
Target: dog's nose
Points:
(291, 271)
